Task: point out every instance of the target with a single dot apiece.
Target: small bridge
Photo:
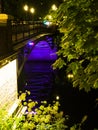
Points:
(14, 38)
(14, 35)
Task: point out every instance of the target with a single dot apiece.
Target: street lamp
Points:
(29, 10)
(32, 10)
(26, 7)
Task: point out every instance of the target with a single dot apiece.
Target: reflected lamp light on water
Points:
(57, 97)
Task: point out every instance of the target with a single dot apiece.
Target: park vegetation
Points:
(78, 21)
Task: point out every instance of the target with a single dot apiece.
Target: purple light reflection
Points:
(39, 74)
(42, 51)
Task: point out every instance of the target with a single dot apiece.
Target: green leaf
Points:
(70, 57)
(74, 67)
(96, 84)
(59, 63)
(79, 22)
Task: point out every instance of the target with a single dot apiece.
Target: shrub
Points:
(45, 117)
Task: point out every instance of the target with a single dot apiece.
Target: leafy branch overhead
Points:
(78, 21)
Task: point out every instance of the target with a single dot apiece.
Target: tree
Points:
(78, 21)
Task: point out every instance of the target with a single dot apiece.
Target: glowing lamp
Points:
(25, 7)
(70, 76)
(31, 43)
(46, 23)
(57, 97)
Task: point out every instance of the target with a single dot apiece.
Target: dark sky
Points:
(15, 8)
(42, 6)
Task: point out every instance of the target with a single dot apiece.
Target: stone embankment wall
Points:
(8, 85)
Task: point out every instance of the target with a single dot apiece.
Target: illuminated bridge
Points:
(27, 51)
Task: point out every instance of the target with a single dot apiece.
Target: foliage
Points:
(45, 117)
(78, 20)
(78, 125)
(6, 122)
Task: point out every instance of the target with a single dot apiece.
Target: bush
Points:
(45, 117)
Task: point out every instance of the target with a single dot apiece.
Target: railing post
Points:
(9, 35)
(23, 28)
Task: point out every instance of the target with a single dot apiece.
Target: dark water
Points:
(45, 84)
(77, 103)
(38, 70)
(39, 80)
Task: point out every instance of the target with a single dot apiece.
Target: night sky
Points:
(42, 6)
(15, 8)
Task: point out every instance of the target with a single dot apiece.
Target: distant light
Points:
(32, 10)
(47, 23)
(70, 76)
(57, 97)
(50, 17)
(26, 7)
(31, 43)
(54, 7)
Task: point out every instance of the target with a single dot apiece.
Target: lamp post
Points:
(28, 10)
(32, 11)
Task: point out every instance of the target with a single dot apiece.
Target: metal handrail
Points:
(26, 29)
(13, 34)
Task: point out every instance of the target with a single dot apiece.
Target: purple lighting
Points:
(31, 43)
(42, 51)
(39, 74)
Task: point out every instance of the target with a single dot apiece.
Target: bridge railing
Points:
(26, 29)
(13, 33)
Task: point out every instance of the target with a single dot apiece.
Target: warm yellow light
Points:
(3, 16)
(70, 76)
(26, 7)
(50, 17)
(57, 97)
(54, 7)
(32, 10)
